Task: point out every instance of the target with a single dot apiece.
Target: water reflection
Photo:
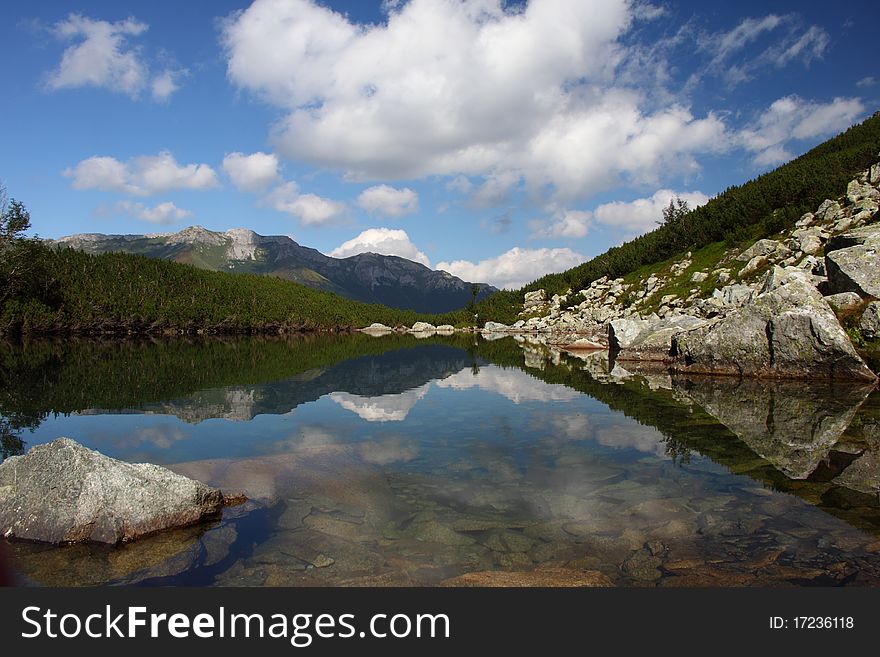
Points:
(401, 462)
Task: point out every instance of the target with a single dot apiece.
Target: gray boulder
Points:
(843, 300)
(870, 321)
(62, 492)
(853, 262)
(421, 327)
(765, 248)
(654, 342)
(622, 332)
(788, 331)
(495, 326)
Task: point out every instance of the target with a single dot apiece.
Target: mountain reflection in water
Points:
(454, 460)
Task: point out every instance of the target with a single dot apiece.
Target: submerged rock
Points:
(788, 331)
(62, 492)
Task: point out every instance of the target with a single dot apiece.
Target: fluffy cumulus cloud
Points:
(430, 91)
(793, 118)
(643, 214)
(389, 201)
(310, 209)
(514, 268)
(384, 241)
(251, 173)
(141, 176)
(163, 213)
(102, 56)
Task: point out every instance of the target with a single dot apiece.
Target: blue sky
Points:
(496, 140)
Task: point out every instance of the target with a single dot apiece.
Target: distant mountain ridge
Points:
(369, 277)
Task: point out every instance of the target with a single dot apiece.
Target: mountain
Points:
(369, 277)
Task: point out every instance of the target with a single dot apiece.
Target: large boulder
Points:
(853, 262)
(788, 331)
(654, 342)
(763, 248)
(62, 492)
(422, 327)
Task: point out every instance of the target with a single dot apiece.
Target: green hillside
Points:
(72, 291)
(743, 213)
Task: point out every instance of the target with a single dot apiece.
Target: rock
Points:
(545, 576)
(63, 492)
(585, 343)
(699, 276)
(853, 262)
(495, 326)
(828, 211)
(654, 343)
(766, 248)
(874, 174)
(753, 265)
(446, 328)
(788, 331)
(843, 300)
(870, 321)
(622, 332)
(805, 220)
(376, 327)
(420, 327)
(534, 300)
(734, 296)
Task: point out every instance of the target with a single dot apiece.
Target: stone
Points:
(788, 331)
(420, 327)
(495, 326)
(828, 210)
(654, 343)
(62, 492)
(622, 332)
(446, 328)
(534, 300)
(843, 300)
(734, 296)
(852, 261)
(874, 174)
(753, 265)
(377, 328)
(869, 324)
(699, 276)
(543, 576)
(805, 220)
(766, 248)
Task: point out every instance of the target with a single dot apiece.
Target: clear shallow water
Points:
(396, 461)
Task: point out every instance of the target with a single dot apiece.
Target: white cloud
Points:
(166, 83)
(568, 223)
(389, 201)
(865, 82)
(310, 209)
(251, 173)
(792, 118)
(163, 213)
(384, 241)
(514, 268)
(142, 176)
(478, 88)
(103, 57)
(789, 42)
(643, 214)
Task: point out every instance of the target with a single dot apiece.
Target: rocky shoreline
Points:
(790, 307)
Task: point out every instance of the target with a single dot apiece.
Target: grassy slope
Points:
(741, 214)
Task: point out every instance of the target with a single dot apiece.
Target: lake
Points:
(398, 461)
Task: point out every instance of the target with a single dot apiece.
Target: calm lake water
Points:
(458, 460)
